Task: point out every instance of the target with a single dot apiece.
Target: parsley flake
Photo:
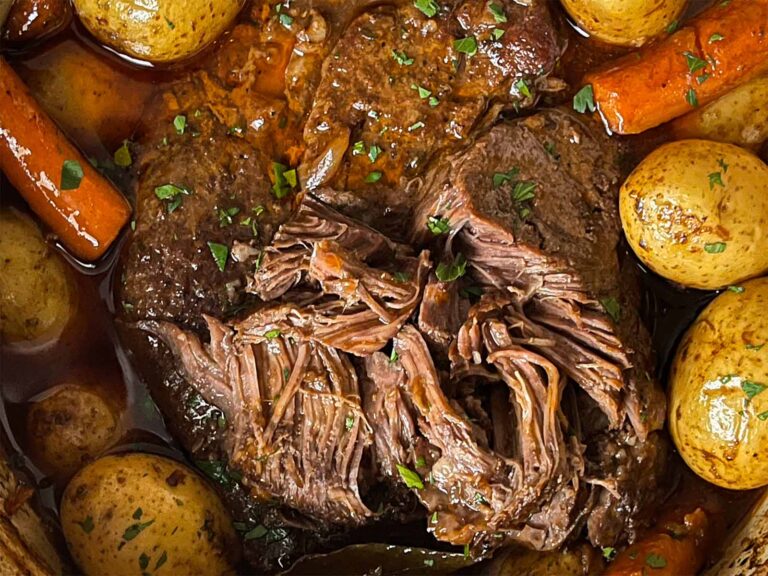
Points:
(714, 247)
(428, 7)
(135, 529)
(122, 155)
(71, 175)
(524, 191)
(522, 87)
(86, 525)
(272, 334)
(752, 389)
(349, 422)
(452, 271)
(374, 176)
(612, 308)
(374, 153)
(467, 45)
(716, 38)
(691, 98)
(715, 178)
(736, 289)
(220, 253)
(656, 561)
(497, 33)
(500, 178)
(693, 62)
(438, 225)
(402, 58)
(498, 13)
(410, 477)
(609, 553)
(584, 100)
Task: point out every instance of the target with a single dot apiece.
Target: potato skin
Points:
(36, 292)
(134, 513)
(159, 31)
(71, 426)
(624, 22)
(686, 226)
(740, 117)
(718, 406)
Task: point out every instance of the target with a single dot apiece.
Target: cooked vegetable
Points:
(31, 20)
(71, 426)
(36, 292)
(696, 212)
(740, 117)
(628, 23)
(70, 196)
(142, 513)
(159, 31)
(724, 47)
(718, 402)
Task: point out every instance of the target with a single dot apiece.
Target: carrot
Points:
(60, 185)
(723, 47)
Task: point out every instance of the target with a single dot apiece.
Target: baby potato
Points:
(71, 426)
(696, 212)
(158, 31)
(740, 117)
(718, 397)
(141, 513)
(36, 293)
(624, 22)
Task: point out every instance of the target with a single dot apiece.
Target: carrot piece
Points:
(720, 49)
(33, 153)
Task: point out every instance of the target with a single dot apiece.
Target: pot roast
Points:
(454, 341)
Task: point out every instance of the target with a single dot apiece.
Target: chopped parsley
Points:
(429, 562)
(498, 13)
(135, 529)
(137, 514)
(752, 389)
(721, 162)
(373, 153)
(226, 215)
(754, 347)
(421, 462)
(500, 178)
(122, 156)
(656, 561)
(285, 180)
(410, 477)
(180, 123)
(693, 62)
(423, 92)
(162, 560)
(703, 78)
(171, 25)
(714, 247)
(497, 33)
(272, 334)
(584, 100)
(402, 276)
(691, 98)
(172, 194)
(349, 422)
(524, 191)
(71, 175)
(374, 176)
(393, 356)
(402, 58)
(763, 416)
(672, 27)
(522, 87)
(612, 308)
(433, 101)
(434, 517)
(86, 525)
(467, 45)
(452, 271)
(358, 148)
(415, 126)
(715, 178)
(438, 225)
(736, 289)
(220, 253)
(428, 7)
(286, 20)
(254, 534)
(609, 553)
(716, 38)
(143, 561)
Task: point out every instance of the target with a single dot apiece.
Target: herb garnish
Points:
(453, 271)
(763, 416)
(71, 175)
(285, 180)
(755, 347)
(438, 225)
(374, 176)
(122, 155)
(716, 38)
(500, 178)
(752, 389)
(173, 194)
(135, 529)
(672, 27)
(428, 7)
(86, 525)
(137, 514)
(656, 561)
(467, 45)
(220, 253)
(522, 87)
(143, 561)
(611, 307)
(373, 153)
(272, 334)
(415, 126)
(691, 98)
(411, 478)
(162, 560)
(736, 289)
(358, 148)
(714, 247)
(254, 534)
(715, 178)
(524, 190)
(423, 92)
(609, 553)
(693, 62)
(180, 123)
(349, 422)
(393, 356)
(584, 100)
(498, 13)
(497, 33)
(402, 58)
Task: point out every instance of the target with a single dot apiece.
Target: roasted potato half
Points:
(158, 31)
(141, 513)
(36, 287)
(696, 212)
(718, 398)
(624, 22)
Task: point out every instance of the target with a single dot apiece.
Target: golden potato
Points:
(158, 31)
(740, 117)
(36, 293)
(70, 427)
(624, 22)
(142, 513)
(718, 397)
(696, 212)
